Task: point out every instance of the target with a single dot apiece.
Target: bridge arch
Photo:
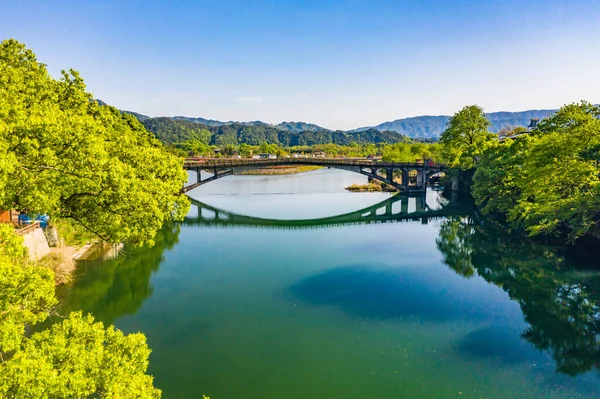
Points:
(221, 167)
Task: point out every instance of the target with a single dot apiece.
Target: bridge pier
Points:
(421, 180)
(388, 209)
(420, 203)
(405, 179)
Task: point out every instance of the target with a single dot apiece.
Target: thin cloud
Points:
(248, 100)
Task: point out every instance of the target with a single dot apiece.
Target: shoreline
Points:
(280, 170)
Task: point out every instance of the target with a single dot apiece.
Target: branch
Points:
(54, 169)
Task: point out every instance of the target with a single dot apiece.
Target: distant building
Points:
(319, 154)
(265, 156)
(10, 216)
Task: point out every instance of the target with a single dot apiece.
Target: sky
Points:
(339, 64)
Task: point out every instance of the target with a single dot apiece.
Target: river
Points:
(243, 300)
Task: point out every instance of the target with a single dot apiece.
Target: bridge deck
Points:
(240, 162)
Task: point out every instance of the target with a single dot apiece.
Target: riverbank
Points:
(373, 186)
(63, 260)
(281, 170)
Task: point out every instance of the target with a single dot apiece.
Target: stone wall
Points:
(36, 243)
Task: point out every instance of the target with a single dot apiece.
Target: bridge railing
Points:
(240, 162)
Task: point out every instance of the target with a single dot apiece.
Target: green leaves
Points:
(69, 157)
(79, 358)
(65, 155)
(74, 358)
(547, 182)
(465, 137)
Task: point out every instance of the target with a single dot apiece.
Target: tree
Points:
(496, 182)
(62, 153)
(465, 137)
(65, 155)
(547, 182)
(74, 358)
(560, 176)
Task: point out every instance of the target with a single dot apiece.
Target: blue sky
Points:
(340, 64)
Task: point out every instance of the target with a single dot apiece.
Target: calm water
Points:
(342, 305)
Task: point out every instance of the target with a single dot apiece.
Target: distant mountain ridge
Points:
(172, 131)
(417, 127)
(298, 127)
(213, 122)
(433, 126)
(425, 127)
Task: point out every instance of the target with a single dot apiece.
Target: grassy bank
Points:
(281, 170)
(375, 185)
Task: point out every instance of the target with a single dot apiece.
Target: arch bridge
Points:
(221, 167)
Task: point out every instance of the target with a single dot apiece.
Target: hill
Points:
(433, 126)
(171, 130)
(297, 127)
(181, 128)
(212, 122)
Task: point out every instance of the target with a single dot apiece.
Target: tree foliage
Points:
(74, 358)
(79, 358)
(465, 137)
(67, 156)
(63, 154)
(172, 131)
(547, 182)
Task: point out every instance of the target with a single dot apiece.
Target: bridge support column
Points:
(421, 180)
(420, 203)
(198, 175)
(405, 178)
(404, 203)
(388, 209)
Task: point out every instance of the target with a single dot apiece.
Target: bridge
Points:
(393, 210)
(415, 176)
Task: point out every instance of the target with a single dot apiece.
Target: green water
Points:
(362, 305)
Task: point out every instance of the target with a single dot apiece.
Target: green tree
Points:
(560, 176)
(74, 358)
(67, 156)
(547, 182)
(465, 137)
(496, 182)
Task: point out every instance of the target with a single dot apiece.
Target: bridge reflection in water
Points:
(393, 209)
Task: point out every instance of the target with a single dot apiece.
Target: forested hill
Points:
(420, 127)
(298, 127)
(433, 126)
(171, 130)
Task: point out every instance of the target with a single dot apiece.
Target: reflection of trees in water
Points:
(561, 304)
(113, 288)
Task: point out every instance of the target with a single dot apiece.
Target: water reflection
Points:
(397, 208)
(560, 303)
(117, 287)
(386, 293)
